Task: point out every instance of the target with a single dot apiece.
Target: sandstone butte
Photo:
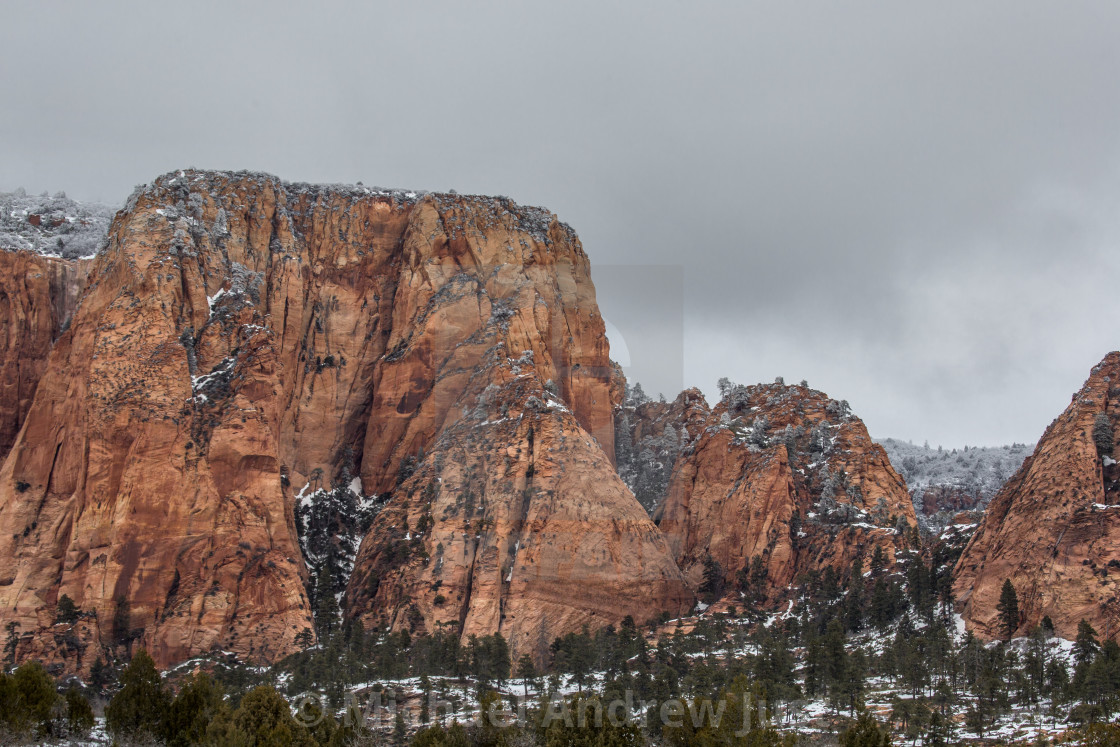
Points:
(1054, 528)
(786, 475)
(241, 337)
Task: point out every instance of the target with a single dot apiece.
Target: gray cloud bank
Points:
(913, 206)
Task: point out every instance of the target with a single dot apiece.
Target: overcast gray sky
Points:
(912, 205)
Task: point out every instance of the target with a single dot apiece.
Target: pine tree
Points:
(938, 730)
(189, 715)
(574, 655)
(326, 605)
(400, 730)
(35, 696)
(79, 713)
(760, 575)
(835, 662)
(814, 665)
(882, 604)
(752, 579)
(830, 588)
(425, 699)
(878, 561)
(1102, 435)
(66, 611)
(1008, 608)
(141, 705)
(712, 586)
(265, 718)
(866, 732)
(527, 671)
(1086, 646)
(853, 603)
(99, 674)
(11, 642)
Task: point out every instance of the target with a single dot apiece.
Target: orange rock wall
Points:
(516, 522)
(241, 337)
(1054, 528)
(736, 494)
(37, 298)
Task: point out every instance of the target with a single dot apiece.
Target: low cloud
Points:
(915, 208)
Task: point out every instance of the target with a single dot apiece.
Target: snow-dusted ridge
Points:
(53, 226)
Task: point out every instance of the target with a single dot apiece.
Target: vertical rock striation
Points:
(38, 295)
(241, 338)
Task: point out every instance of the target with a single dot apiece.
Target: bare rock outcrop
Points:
(1054, 528)
(783, 481)
(515, 522)
(38, 295)
(241, 338)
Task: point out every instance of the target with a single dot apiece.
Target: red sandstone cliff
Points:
(38, 295)
(515, 522)
(1054, 529)
(241, 337)
(786, 475)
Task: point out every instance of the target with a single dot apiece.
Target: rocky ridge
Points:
(1054, 529)
(782, 482)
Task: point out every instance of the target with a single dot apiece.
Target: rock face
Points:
(514, 522)
(242, 339)
(1054, 529)
(650, 435)
(789, 477)
(38, 295)
(950, 500)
